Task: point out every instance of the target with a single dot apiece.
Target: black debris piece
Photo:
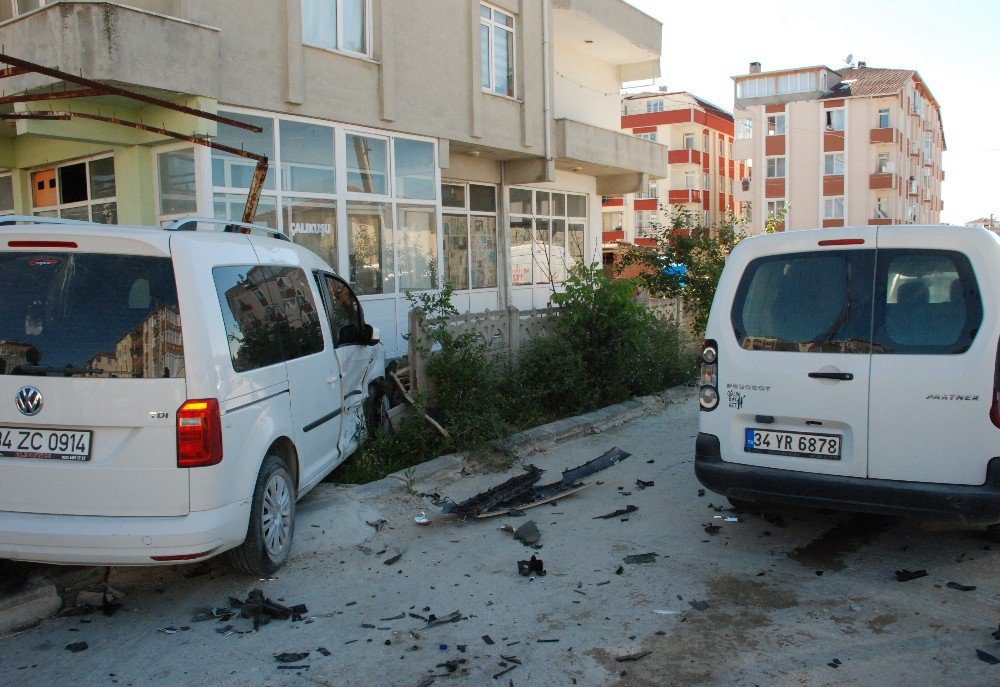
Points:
(77, 647)
(522, 490)
(392, 559)
(489, 640)
(621, 511)
(639, 558)
(323, 650)
(996, 633)
(650, 461)
(504, 672)
(451, 666)
(701, 492)
(305, 667)
(417, 616)
(426, 682)
(262, 610)
(907, 575)
(453, 617)
(535, 566)
(528, 533)
(378, 524)
(511, 659)
(462, 647)
(983, 656)
(712, 529)
(290, 657)
(642, 484)
(961, 587)
(698, 605)
(620, 570)
(395, 617)
(546, 641)
(835, 663)
(633, 657)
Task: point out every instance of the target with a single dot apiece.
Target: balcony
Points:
(883, 180)
(612, 236)
(683, 196)
(645, 204)
(886, 135)
(684, 156)
(612, 31)
(615, 202)
(621, 163)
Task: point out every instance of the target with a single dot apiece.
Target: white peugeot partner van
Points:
(857, 369)
(167, 395)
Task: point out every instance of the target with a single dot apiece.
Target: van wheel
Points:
(272, 521)
(377, 409)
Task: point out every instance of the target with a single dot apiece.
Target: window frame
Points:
(465, 211)
(772, 164)
(493, 25)
(887, 122)
(776, 118)
(367, 30)
(321, 277)
(687, 141)
(654, 105)
(830, 205)
(536, 219)
(89, 203)
(835, 157)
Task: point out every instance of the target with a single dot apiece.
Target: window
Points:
(80, 190)
(704, 181)
(496, 35)
(416, 248)
(881, 208)
(176, 186)
(6, 194)
(883, 118)
(928, 302)
(690, 180)
(833, 208)
(776, 168)
(806, 302)
(927, 148)
(654, 105)
(470, 240)
(776, 209)
(269, 313)
(90, 311)
(834, 120)
(776, 125)
(370, 261)
(688, 142)
(884, 164)
(648, 137)
(704, 142)
(833, 163)
(416, 169)
(367, 164)
(744, 128)
(546, 235)
(336, 25)
(343, 311)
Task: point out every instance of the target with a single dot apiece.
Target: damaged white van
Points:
(167, 395)
(857, 369)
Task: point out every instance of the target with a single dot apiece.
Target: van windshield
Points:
(89, 315)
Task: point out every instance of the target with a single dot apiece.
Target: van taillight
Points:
(199, 434)
(708, 394)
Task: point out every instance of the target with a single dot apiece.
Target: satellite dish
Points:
(849, 59)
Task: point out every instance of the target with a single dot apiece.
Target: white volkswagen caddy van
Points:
(167, 395)
(857, 369)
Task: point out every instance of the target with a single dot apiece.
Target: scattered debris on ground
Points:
(987, 657)
(77, 647)
(961, 587)
(633, 657)
(907, 575)
(262, 610)
(290, 657)
(621, 511)
(522, 491)
(528, 533)
(698, 605)
(639, 558)
(535, 566)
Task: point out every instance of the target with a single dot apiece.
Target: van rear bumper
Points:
(974, 505)
(106, 540)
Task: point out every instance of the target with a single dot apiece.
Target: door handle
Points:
(842, 376)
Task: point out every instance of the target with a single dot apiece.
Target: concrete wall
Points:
(586, 88)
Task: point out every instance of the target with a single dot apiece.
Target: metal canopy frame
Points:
(91, 88)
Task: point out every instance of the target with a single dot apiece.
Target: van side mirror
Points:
(372, 335)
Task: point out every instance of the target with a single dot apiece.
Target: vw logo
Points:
(28, 400)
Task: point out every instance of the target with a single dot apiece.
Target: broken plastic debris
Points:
(168, 630)
(535, 566)
(732, 518)
(712, 529)
(698, 605)
(961, 587)
(393, 559)
(453, 617)
(907, 575)
(664, 611)
(641, 558)
(290, 657)
(642, 484)
(984, 657)
(378, 524)
(835, 663)
(528, 533)
(422, 519)
(621, 511)
(633, 657)
(77, 647)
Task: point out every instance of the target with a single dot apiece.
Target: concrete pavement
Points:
(786, 596)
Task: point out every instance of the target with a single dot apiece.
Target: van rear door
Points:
(933, 361)
(793, 381)
(91, 374)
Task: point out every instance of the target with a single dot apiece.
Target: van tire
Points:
(377, 407)
(264, 552)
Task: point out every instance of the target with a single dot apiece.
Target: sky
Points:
(955, 46)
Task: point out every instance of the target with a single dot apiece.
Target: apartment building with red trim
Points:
(833, 148)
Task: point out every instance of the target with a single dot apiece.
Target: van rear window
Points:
(806, 302)
(89, 315)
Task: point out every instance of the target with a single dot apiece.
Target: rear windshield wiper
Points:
(41, 371)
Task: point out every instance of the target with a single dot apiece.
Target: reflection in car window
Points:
(806, 302)
(345, 312)
(89, 315)
(269, 313)
(929, 302)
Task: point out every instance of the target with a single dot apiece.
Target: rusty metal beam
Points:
(259, 174)
(42, 116)
(108, 89)
(13, 71)
(52, 95)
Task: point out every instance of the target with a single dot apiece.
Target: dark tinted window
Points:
(345, 315)
(89, 314)
(807, 302)
(269, 313)
(928, 302)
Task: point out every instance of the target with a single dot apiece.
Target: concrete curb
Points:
(40, 599)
